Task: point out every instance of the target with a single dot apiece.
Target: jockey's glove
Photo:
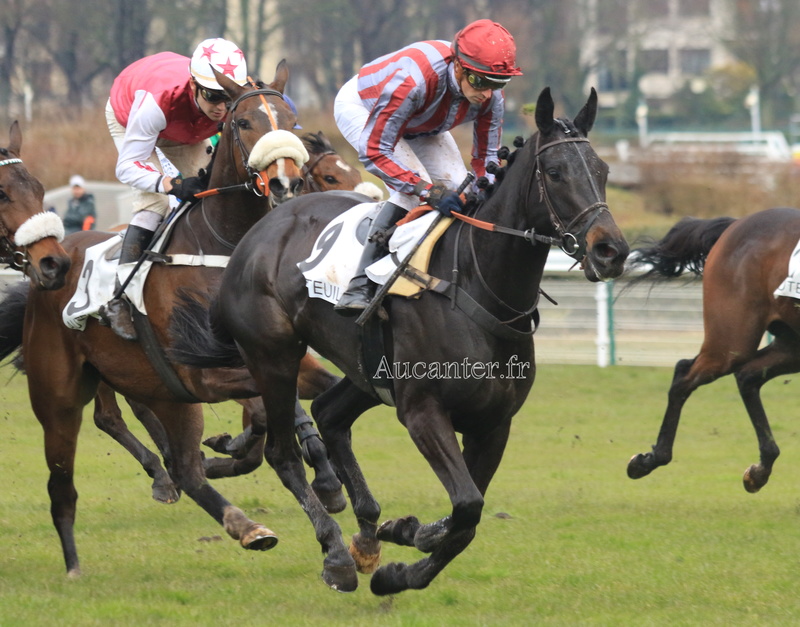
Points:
(186, 188)
(444, 200)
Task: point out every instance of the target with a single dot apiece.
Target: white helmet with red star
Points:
(225, 57)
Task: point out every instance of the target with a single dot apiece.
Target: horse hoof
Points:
(754, 479)
(340, 578)
(366, 553)
(637, 468)
(333, 500)
(388, 579)
(400, 531)
(218, 443)
(259, 539)
(429, 536)
(165, 494)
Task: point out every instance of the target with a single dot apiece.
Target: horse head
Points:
(271, 167)
(29, 236)
(325, 169)
(570, 178)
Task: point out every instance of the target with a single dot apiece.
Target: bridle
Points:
(308, 170)
(255, 182)
(9, 253)
(573, 244)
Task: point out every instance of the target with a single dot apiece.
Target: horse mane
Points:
(317, 143)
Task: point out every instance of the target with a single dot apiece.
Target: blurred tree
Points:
(180, 25)
(767, 37)
(10, 23)
(131, 28)
(78, 35)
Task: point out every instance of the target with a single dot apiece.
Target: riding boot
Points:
(117, 312)
(361, 290)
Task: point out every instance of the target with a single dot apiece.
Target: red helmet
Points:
(486, 47)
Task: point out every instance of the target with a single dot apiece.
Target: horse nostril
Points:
(276, 187)
(49, 267)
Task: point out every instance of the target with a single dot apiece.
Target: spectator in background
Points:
(81, 212)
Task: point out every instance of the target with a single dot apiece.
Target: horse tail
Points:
(12, 316)
(684, 248)
(196, 340)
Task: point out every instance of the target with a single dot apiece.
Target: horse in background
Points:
(65, 366)
(29, 235)
(742, 262)
(327, 170)
(552, 193)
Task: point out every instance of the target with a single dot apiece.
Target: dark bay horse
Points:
(29, 236)
(553, 192)
(65, 367)
(742, 263)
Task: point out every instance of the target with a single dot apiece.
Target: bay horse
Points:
(553, 192)
(29, 236)
(325, 170)
(65, 367)
(742, 262)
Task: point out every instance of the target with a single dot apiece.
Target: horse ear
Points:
(232, 89)
(15, 138)
(585, 118)
(281, 76)
(544, 112)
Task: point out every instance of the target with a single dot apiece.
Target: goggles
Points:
(212, 96)
(481, 82)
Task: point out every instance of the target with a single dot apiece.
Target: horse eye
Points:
(329, 179)
(554, 174)
(3, 196)
(243, 124)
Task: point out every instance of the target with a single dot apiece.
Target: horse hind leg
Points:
(184, 429)
(779, 358)
(108, 418)
(335, 412)
(247, 451)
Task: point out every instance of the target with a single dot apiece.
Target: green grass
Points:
(581, 543)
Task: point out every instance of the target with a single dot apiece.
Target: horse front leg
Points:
(684, 382)
(779, 358)
(335, 412)
(61, 427)
(184, 427)
(431, 429)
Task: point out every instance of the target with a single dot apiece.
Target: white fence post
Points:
(603, 338)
